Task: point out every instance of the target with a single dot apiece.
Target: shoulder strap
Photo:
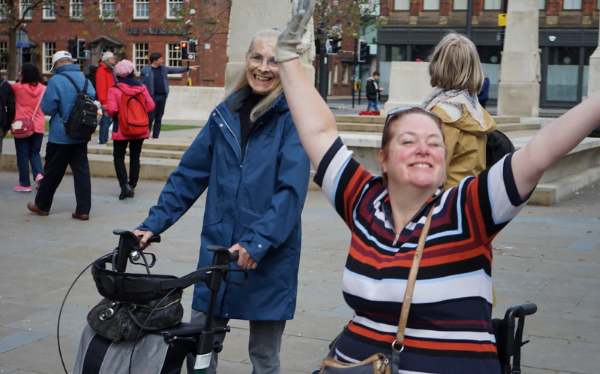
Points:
(37, 106)
(73, 82)
(410, 286)
(74, 85)
(4, 81)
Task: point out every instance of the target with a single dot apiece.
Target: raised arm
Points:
(553, 142)
(314, 121)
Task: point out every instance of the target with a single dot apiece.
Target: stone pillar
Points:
(409, 84)
(250, 16)
(519, 88)
(594, 72)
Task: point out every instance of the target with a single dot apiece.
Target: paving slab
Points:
(547, 255)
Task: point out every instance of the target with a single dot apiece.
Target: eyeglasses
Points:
(258, 59)
(402, 109)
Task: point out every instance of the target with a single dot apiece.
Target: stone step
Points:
(161, 156)
(148, 153)
(516, 126)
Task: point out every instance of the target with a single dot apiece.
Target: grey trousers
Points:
(263, 347)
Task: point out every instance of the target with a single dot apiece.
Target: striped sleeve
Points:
(342, 179)
(495, 199)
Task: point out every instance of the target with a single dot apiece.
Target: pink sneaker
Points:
(20, 188)
(38, 180)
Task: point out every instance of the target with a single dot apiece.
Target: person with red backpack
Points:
(129, 104)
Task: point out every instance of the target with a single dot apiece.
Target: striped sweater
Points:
(449, 326)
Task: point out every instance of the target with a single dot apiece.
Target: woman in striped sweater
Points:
(449, 327)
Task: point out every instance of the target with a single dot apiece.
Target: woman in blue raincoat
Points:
(250, 158)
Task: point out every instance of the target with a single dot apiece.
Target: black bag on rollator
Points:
(136, 328)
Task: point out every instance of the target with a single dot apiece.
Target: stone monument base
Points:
(409, 84)
(519, 99)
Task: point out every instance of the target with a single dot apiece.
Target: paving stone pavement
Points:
(547, 255)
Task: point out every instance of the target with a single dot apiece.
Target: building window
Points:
(173, 55)
(107, 9)
(49, 51)
(4, 59)
(76, 9)
(431, 4)
(345, 73)
(542, 4)
(460, 4)
(3, 9)
(335, 73)
(174, 8)
(49, 11)
(402, 5)
(141, 9)
(572, 5)
(492, 4)
(140, 56)
(23, 4)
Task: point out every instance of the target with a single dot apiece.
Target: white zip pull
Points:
(396, 239)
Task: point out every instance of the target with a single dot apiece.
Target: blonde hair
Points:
(265, 103)
(455, 65)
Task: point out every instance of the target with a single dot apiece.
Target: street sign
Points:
(22, 45)
(502, 19)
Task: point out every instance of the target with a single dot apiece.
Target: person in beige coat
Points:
(456, 73)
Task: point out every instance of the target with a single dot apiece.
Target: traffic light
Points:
(363, 51)
(335, 43)
(192, 44)
(184, 50)
(72, 47)
(186, 53)
(81, 49)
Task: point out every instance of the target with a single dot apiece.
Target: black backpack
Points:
(83, 119)
(497, 146)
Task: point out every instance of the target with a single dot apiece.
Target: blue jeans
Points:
(104, 125)
(28, 151)
(373, 105)
(263, 347)
(157, 114)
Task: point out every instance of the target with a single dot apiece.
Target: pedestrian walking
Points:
(28, 96)
(455, 70)
(128, 101)
(154, 76)
(61, 149)
(250, 158)
(91, 75)
(7, 109)
(105, 79)
(373, 93)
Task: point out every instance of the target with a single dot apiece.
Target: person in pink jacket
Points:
(28, 94)
(129, 85)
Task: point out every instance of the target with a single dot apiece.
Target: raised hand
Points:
(292, 35)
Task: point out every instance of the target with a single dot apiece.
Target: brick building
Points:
(568, 35)
(131, 29)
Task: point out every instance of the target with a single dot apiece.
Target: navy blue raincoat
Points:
(256, 192)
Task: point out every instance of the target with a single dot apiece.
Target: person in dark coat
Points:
(484, 94)
(373, 92)
(91, 75)
(154, 76)
(7, 109)
(250, 158)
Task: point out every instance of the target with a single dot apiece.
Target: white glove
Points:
(292, 35)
